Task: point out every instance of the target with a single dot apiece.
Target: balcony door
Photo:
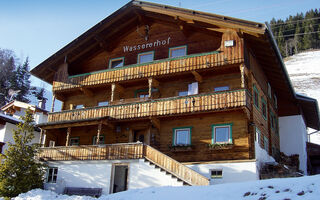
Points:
(141, 136)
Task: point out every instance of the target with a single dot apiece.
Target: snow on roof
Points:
(10, 119)
(21, 104)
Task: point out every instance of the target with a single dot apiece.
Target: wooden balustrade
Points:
(92, 152)
(174, 167)
(153, 69)
(121, 152)
(159, 107)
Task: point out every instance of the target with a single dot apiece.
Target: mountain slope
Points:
(304, 72)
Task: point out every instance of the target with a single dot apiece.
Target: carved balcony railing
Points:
(159, 107)
(156, 68)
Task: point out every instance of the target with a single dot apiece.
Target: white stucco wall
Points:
(6, 135)
(293, 138)
(231, 172)
(97, 174)
(39, 118)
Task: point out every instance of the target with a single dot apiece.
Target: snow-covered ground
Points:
(304, 72)
(276, 189)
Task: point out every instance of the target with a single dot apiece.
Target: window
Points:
(193, 88)
(269, 91)
(264, 108)
(255, 96)
(222, 88)
(142, 93)
(52, 143)
(145, 57)
(116, 62)
(74, 141)
(272, 120)
(183, 93)
(177, 51)
(258, 134)
(78, 106)
(101, 140)
(182, 136)
(52, 174)
(275, 100)
(103, 103)
(266, 143)
(215, 173)
(222, 133)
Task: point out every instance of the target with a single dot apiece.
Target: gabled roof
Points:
(14, 105)
(105, 32)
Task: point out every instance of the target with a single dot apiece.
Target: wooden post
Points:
(150, 87)
(53, 101)
(242, 76)
(68, 136)
(41, 134)
(152, 83)
(98, 133)
(113, 87)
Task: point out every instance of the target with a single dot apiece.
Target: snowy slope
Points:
(276, 189)
(304, 72)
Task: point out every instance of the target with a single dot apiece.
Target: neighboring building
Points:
(203, 92)
(10, 117)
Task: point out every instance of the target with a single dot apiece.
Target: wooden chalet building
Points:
(156, 95)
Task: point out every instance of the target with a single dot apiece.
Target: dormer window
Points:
(116, 62)
(177, 51)
(145, 57)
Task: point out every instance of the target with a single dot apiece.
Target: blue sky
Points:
(39, 28)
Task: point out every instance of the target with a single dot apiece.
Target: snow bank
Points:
(276, 189)
(262, 156)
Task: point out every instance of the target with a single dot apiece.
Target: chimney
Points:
(42, 103)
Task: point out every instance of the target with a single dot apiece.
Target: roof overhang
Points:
(134, 12)
(310, 111)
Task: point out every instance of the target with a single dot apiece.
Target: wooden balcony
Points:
(157, 68)
(159, 107)
(123, 152)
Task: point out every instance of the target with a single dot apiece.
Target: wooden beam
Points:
(152, 83)
(116, 88)
(242, 76)
(87, 92)
(155, 122)
(197, 76)
(68, 136)
(98, 133)
(53, 101)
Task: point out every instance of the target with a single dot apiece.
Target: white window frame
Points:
(176, 48)
(216, 176)
(175, 136)
(50, 179)
(215, 126)
(269, 91)
(116, 59)
(145, 53)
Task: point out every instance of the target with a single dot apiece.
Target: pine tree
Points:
(22, 82)
(20, 172)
